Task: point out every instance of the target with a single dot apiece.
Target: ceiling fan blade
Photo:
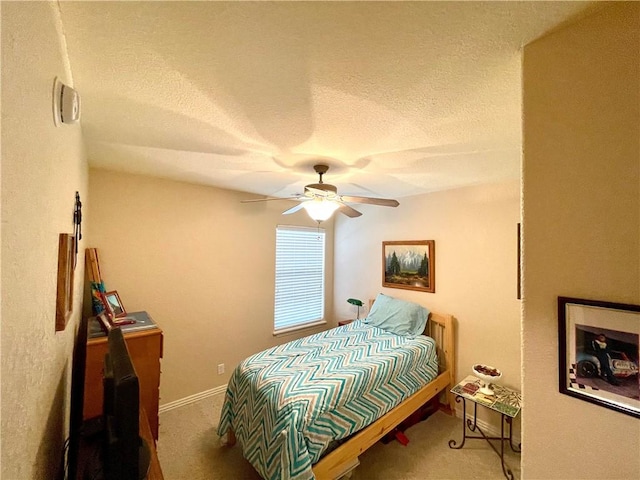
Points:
(384, 202)
(293, 209)
(349, 211)
(260, 200)
(296, 197)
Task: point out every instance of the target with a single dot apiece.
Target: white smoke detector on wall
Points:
(66, 103)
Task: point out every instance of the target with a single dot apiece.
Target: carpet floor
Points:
(189, 449)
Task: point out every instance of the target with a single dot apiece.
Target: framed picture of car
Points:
(599, 353)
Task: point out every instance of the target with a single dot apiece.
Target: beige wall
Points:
(581, 230)
(201, 263)
(42, 168)
(475, 237)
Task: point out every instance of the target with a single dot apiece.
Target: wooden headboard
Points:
(441, 327)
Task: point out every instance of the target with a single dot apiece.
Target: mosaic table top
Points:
(505, 400)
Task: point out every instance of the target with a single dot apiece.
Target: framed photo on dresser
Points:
(113, 304)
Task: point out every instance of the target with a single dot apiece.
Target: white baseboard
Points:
(192, 398)
(490, 429)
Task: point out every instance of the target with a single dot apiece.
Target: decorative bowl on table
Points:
(488, 375)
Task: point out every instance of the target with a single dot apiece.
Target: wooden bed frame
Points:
(345, 457)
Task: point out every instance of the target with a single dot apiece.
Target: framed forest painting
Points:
(409, 265)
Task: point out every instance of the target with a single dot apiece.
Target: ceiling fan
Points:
(321, 199)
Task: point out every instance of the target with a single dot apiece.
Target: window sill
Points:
(285, 331)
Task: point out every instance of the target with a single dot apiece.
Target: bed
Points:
(310, 407)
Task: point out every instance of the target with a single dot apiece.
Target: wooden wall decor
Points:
(64, 297)
(93, 265)
(519, 281)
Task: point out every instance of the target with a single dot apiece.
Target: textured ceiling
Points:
(399, 98)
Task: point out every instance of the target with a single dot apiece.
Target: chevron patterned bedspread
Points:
(287, 404)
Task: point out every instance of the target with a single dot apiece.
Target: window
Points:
(299, 278)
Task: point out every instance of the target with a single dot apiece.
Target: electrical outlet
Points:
(220, 368)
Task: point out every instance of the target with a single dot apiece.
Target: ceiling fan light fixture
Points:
(320, 209)
(321, 199)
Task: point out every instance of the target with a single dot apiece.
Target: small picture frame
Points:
(409, 265)
(113, 305)
(599, 350)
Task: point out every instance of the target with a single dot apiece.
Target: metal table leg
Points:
(472, 425)
(509, 420)
(452, 443)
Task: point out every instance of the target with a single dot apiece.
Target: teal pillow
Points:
(398, 316)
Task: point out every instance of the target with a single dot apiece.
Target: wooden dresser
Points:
(145, 348)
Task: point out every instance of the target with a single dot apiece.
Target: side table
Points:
(506, 401)
(345, 322)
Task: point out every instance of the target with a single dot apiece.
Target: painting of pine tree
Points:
(409, 265)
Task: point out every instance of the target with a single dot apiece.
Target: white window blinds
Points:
(299, 277)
